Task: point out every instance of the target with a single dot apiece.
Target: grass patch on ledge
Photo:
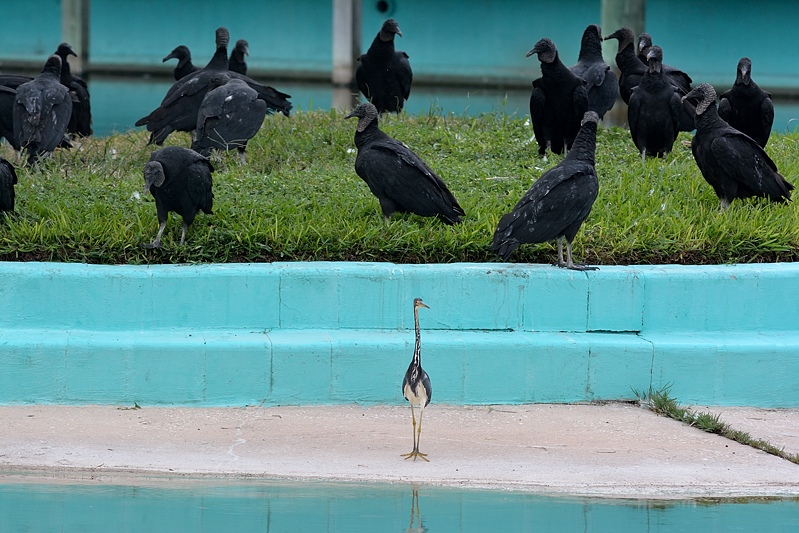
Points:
(298, 199)
(663, 404)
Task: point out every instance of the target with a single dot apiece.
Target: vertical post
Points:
(75, 31)
(618, 14)
(346, 49)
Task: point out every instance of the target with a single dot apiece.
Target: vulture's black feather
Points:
(602, 83)
(237, 62)
(558, 101)
(400, 180)
(632, 70)
(8, 178)
(731, 161)
(42, 110)
(676, 76)
(384, 74)
(630, 67)
(557, 204)
(746, 107)
(184, 66)
(653, 113)
(179, 108)
(180, 181)
(7, 96)
(230, 115)
(80, 122)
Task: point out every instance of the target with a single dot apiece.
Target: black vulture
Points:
(230, 115)
(746, 107)
(7, 96)
(731, 161)
(81, 118)
(384, 74)
(678, 77)
(558, 101)
(80, 122)
(603, 85)
(184, 66)
(654, 110)
(632, 70)
(644, 44)
(400, 180)
(557, 204)
(630, 67)
(178, 110)
(8, 178)
(42, 109)
(236, 62)
(180, 181)
(12, 81)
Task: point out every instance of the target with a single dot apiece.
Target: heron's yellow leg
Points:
(412, 453)
(417, 432)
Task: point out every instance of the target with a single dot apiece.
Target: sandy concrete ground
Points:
(780, 427)
(616, 450)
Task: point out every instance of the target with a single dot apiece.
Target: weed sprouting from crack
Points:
(661, 403)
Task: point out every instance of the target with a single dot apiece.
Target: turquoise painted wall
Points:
(31, 30)
(443, 38)
(311, 333)
(482, 38)
(478, 40)
(706, 39)
(282, 35)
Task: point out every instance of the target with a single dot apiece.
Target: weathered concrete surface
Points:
(616, 450)
(779, 427)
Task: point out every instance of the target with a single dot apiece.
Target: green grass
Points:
(663, 404)
(298, 198)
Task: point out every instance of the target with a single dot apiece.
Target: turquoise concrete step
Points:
(466, 296)
(321, 333)
(218, 368)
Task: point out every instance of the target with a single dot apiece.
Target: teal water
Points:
(117, 103)
(199, 506)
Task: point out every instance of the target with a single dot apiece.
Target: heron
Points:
(416, 385)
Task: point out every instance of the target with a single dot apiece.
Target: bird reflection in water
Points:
(416, 525)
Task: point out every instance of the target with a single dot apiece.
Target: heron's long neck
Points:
(417, 350)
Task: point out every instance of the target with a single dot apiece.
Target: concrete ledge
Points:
(614, 450)
(306, 367)
(333, 333)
